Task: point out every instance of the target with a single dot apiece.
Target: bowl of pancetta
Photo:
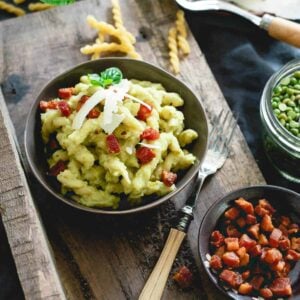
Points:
(249, 243)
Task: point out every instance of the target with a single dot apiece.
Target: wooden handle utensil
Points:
(282, 29)
(155, 284)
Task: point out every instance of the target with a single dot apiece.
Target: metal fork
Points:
(278, 28)
(223, 127)
(217, 152)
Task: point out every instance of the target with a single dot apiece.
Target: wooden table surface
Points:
(103, 257)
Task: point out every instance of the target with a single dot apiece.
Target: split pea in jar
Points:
(280, 116)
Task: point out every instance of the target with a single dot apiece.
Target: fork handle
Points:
(282, 29)
(155, 284)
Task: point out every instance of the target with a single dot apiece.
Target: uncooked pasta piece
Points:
(12, 9)
(173, 51)
(38, 6)
(117, 16)
(183, 44)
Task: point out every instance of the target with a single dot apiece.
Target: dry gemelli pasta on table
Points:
(177, 42)
(19, 1)
(38, 6)
(108, 136)
(103, 45)
(10, 8)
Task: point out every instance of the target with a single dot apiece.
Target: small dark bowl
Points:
(285, 201)
(193, 111)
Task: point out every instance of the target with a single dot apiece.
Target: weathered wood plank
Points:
(29, 245)
(100, 257)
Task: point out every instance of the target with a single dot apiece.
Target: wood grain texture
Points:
(108, 257)
(28, 242)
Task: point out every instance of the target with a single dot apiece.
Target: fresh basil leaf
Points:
(110, 76)
(58, 2)
(107, 77)
(95, 79)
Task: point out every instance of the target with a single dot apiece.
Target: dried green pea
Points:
(293, 80)
(297, 74)
(283, 116)
(276, 111)
(294, 131)
(282, 107)
(291, 115)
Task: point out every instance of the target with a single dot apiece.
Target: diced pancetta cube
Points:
(285, 271)
(281, 287)
(275, 237)
(278, 266)
(260, 211)
(231, 259)
(232, 278)
(266, 293)
(183, 277)
(217, 238)
(284, 243)
(246, 274)
(247, 242)
(271, 256)
(244, 260)
(256, 250)
(292, 255)
(245, 205)
(216, 262)
(232, 244)
(254, 230)
(232, 213)
(245, 288)
(232, 231)
(295, 243)
(266, 223)
(241, 252)
(266, 205)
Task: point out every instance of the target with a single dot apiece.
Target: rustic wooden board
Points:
(29, 245)
(103, 257)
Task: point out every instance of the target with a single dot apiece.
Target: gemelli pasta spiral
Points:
(183, 44)
(10, 8)
(173, 51)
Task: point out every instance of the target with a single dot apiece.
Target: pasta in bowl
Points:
(111, 136)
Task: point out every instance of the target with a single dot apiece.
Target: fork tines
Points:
(223, 126)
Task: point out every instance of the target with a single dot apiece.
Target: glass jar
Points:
(281, 146)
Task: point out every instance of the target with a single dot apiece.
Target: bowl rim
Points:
(32, 112)
(212, 277)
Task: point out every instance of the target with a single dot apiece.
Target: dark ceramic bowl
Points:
(193, 110)
(285, 201)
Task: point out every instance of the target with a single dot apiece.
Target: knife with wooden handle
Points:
(278, 28)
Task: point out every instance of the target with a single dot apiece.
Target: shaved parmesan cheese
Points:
(113, 95)
(139, 101)
(150, 146)
(86, 107)
(116, 120)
